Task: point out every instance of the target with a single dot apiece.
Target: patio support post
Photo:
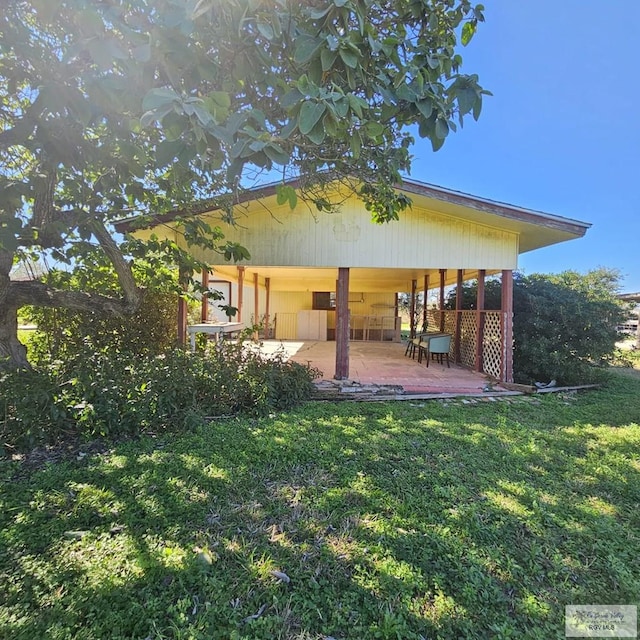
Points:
(482, 274)
(443, 275)
(256, 304)
(342, 325)
(507, 326)
(425, 319)
(182, 309)
(240, 291)
(458, 323)
(204, 311)
(267, 286)
(412, 310)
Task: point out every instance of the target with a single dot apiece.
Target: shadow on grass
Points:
(390, 521)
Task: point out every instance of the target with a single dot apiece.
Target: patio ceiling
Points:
(324, 279)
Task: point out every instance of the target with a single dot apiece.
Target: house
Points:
(335, 276)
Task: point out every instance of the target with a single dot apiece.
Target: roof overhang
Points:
(536, 229)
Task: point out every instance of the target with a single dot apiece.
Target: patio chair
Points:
(413, 345)
(437, 346)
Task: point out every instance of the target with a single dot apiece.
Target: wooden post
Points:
(256, 305)
(267, 286)
(507, 326)
(443, 275)
(425, 319)
(480, 315)
(412, 310)
(458, 322)
(182, 310)
(240, 292)
(204, 312)
(342, 325)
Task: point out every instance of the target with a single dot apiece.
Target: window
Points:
(324, 300)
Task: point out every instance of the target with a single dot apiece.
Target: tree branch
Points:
(120, 264)
(37, 293)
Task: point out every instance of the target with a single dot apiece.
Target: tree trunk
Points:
(13, 354)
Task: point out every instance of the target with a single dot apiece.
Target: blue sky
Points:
(561, 133)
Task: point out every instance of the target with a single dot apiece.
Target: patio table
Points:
(212, 328)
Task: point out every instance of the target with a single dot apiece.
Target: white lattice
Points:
(468, 333)
(492, 344)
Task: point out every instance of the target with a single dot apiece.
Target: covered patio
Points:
(382, 364)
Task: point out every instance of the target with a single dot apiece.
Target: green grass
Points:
(426, 520)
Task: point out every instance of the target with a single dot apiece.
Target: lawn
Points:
(348, 521)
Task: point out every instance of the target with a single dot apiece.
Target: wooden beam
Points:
(182, 310)
(443, 275)
(342, 325)
(240, 292)
(458, 323)
(425, 301)
(267, 286)
(204, 311)
(256, 305)
(412, 310)
(507, 326)
(480, 317)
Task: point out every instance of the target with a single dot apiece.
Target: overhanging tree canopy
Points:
(145, 106)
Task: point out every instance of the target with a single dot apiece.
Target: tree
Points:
(144, 106)
(563, 324)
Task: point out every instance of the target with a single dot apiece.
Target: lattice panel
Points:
(492, 344)
(468, 332)
(433, 319)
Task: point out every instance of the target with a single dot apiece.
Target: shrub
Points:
(98, 393)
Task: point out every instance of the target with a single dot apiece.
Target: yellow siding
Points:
(277, 236)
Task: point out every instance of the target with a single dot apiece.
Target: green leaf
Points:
(425, 107)
(310, 114)
(159, 97)
(142, 53)
(356, 145)
(266, 30)
(374, 129)
(468, 31)
(318, 133)
(466, 99)
(221, 98)
(442, 128)
(477, 107)
(286, 193)
(167, 151)
(306, 48)
(277, 154)
(349, 58)
(328, 57)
